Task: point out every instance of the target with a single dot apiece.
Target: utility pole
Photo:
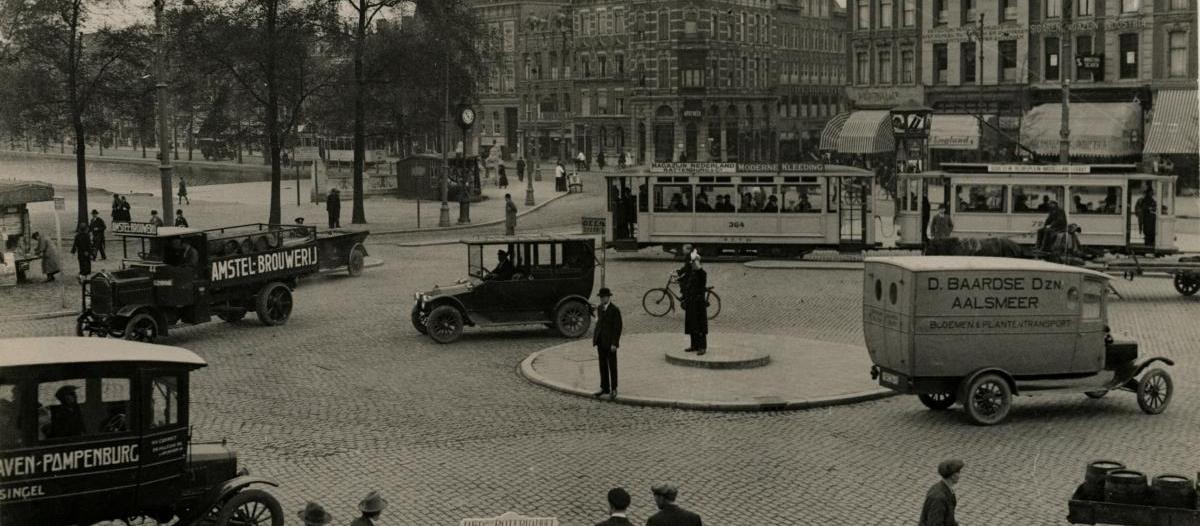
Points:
(166, 171)
(979, 84)
(444, 214)
(1065, 64)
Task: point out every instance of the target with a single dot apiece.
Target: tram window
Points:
(713, 198)
(673, 198)
(758, 198)
(802, 198)
(985, 198)
(1035, 199)
(1095, 200)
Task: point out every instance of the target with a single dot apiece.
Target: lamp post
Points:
(979, 84)
(444, 212)
(166, 170)
(1064, 143)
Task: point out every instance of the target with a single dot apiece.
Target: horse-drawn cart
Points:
(1090, 512)
(337, 249)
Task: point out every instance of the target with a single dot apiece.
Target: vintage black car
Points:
(185, 275)
(547, 280)
(94, 430)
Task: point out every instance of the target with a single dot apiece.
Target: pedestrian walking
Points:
(126, 210)
(510, 216)
(560, 176)
(580, 161)
(180, 221)
(116, 208)
(521, 170)
(607, 338)
(82, 248)
(618, 503)
(669, 513)
(502, 178)
(371, 507)
(182, 193)
(49, 255)
(940, 500)
(314, 514)
(941, 226)
(96, 228)
(695, 307)
(333, 206)
(600, 161)
(157, 221)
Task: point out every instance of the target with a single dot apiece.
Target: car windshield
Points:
(475, 266)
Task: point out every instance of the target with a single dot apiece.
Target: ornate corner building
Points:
(658, 80)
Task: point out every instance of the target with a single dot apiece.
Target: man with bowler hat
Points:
(940, 500)
(669, 513)
(695, 309)
(371, 506)
(314, 514)
(618, 502)
(607, 337)
(97, 228)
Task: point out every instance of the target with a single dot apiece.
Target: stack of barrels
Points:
(1109, 481)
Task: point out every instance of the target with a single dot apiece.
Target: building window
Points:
(1083, 46)
(619, 16)
(1130, 6)
(1008, 10)
(1054, 8)
(941, 63)
(664, 26)
(940, 13)
(907, 66)
(1008, 60)
(968, 12)
(620, 106)
(1179, 5)
(1177, 49)
(864, 14)
(1129, 55)
(691, 78)
(603, 66)
(863, 65)
(966, 52)
(910, 13)
(1051, 54)
(885, 67)
(1084, 7)
(885, 13)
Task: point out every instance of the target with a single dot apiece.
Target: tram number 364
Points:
(737, 224)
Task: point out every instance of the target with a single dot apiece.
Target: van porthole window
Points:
(892, 293)
(878, 290)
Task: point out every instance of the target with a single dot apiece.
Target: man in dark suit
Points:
(333, 206)
(669, 513)
(618, 502)
(940, 500)
(504, 270)
(607, 337)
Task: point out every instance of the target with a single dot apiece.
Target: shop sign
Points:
(954, 142)
(1039, 168)
(969, 33)
(884, 96)
(1089, 61)
(1085, 26)
(693, 109)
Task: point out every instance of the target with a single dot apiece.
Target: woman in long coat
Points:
(49, 255)
(695, 320)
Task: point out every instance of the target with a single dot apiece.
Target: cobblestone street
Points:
(348, 397)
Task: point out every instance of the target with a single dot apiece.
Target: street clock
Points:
(466, 117)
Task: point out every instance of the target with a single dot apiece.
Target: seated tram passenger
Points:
(702, 203)
(772, 205)
(803, 205)
(1080, 206)
(677, 204)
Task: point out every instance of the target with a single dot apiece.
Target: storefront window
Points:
(982, 198)
(1095, 200)
(802, 198)
(758, 198)
(716, 198)
(1030, 199)
(673, 198)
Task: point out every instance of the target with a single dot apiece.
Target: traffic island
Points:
(740, 372)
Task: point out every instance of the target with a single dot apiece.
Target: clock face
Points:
(468, 116)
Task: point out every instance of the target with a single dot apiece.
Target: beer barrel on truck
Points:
(1093, 479)
(1124, 486)
(1174, 491)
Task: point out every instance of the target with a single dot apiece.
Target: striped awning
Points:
(954, 132)
(1098, 129)
(829, 135)
(1173, 127)
(867, 132)
(13, 193)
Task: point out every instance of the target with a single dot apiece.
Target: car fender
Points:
(1012, 383)
(573, 297)
(129, 311)
(438, 301)
(227, 489)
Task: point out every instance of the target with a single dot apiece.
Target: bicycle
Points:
(661, 301)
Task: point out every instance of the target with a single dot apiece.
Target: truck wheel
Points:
(356, 261)
(572, 319)
(988, 399)
(1187, 283)
(141, 327)
(938, 401)
(416, 321)
(444, 324)
(86, 325)
(251, 507)
(232, 316)
(1154, 391)
(274, 304)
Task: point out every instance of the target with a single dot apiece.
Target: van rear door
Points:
(1089, 342)
(887, 316)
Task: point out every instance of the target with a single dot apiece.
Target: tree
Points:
(63, 67)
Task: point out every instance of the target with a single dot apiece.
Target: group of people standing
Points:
(581, 161)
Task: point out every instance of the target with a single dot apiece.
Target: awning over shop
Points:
(1098, 129)
(832, 129)
(867, 132)
(1173, 127)
(954, 132)
(13, 193)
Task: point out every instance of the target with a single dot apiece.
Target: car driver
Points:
(504, 269)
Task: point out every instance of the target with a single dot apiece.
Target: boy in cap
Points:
(940, 500)
(670, 514)
(371, 506)
(607, 338)
(618, 502)
(314, 514)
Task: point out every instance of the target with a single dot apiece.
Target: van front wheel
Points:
(988, 399)
(938, 401)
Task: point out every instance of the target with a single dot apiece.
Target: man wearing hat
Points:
(940, 500)
(607, 337)
(670, 514)
(66, 418)
(371, 506)
(314, 514)
(618, 502)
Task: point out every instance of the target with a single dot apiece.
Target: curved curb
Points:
(811, 265)
(40, 316)
(525, 369)
(527, 211)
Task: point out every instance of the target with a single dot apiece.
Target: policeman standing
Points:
(607, 338)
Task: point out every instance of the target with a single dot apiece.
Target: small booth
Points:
(15, 228)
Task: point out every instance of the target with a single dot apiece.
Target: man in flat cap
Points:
(669, 513)
(940, 500)
(66, 418)
(618, 502)
(607, 337)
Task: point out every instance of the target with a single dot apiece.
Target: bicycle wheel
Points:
(658, 302)
(714, 303)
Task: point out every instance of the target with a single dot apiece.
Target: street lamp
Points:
(166, 170)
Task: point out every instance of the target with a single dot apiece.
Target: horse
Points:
(990, 246)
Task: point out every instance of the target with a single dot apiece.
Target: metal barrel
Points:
(1174, 491)
(1093, 479)
(1125, 486)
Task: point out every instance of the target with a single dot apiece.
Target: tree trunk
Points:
(360, 148)
(73, 65)
(191, 123)
(272, 112)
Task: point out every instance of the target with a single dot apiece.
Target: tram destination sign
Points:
(733, 168)
(1039, 168)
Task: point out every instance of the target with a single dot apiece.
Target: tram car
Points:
(770, 209)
